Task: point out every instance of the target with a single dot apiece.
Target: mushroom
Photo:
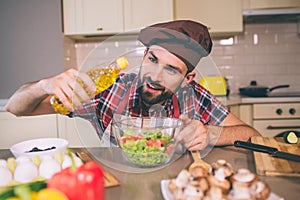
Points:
(228, 169)
(193, 192)
(199, 172)
(219, 180)
(240, 191)
(260, 190)
(244, 176)
(180, 181)
(214, 193)
(183, 178)
(201, 183)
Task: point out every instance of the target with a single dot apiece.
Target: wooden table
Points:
(147, 185)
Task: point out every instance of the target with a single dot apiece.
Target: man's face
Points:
(160, 76)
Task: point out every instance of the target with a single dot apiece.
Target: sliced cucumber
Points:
(290, 137)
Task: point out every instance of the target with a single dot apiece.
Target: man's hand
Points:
(193, 135)
(67, 88)
(197, 136)
(34, 98)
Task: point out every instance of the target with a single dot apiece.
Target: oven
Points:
(271, 119)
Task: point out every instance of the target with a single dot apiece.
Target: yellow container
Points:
(215, 84)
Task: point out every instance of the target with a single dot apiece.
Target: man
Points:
(163, 87)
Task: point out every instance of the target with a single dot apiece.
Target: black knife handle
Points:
(255, 147)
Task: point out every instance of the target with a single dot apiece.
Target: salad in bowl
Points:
(147, 142)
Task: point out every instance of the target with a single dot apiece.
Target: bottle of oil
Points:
(102, 77)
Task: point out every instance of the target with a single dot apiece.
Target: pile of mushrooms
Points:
(220, 182)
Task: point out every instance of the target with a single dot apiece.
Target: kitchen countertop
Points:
(147, 185)
(269, 100)
(234, 99)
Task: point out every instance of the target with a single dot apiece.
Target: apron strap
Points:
(122, 106)
(176, 111)
(125, 99)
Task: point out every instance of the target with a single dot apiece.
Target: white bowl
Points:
(23, 148)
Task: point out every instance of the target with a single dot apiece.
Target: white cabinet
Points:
(77, 131)
(246, 113)
(243, 111)
(235, 109)
(141, 13)
(15, 129)
(100, 17)
(223, 18)
(92, 16)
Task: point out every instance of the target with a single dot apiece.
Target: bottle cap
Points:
(122, 62)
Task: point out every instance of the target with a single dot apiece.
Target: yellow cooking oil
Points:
(102, 77)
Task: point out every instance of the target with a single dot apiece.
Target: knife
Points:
(274, 152)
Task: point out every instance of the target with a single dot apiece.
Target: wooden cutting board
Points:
(109, 179)
(269, 166)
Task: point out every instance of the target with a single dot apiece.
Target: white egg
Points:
(25, 172)
(5, 175)
(67, 162)
(3, 163)
(46, 157)
(48, 168)
(78, 161)
(22, 159)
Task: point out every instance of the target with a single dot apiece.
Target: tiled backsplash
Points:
(268, 53)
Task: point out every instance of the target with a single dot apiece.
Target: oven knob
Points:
(279, 111)
(292, 111)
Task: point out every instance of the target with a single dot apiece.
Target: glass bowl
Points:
(147, 142)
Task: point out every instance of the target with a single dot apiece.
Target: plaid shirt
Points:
(122, 98)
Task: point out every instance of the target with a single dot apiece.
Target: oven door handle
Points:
(282, 127)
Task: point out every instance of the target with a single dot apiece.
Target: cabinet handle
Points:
(282, 127)
(100, 29)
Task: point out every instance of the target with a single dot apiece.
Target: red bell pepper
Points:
(85, 182)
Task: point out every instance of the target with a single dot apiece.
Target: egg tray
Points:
(39, 175)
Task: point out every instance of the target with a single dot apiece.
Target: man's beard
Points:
(149, 98)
